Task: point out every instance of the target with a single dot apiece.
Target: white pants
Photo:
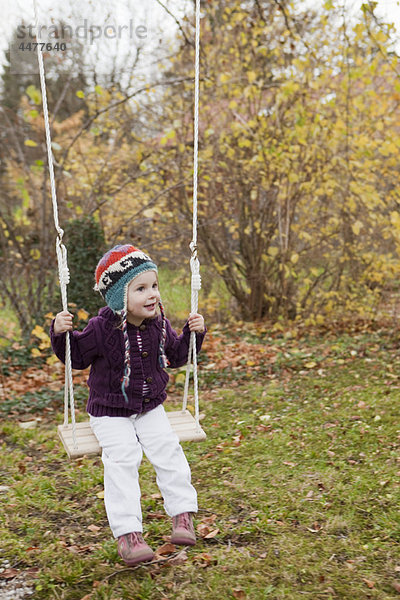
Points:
(123, 440)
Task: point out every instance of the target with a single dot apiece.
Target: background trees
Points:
(298, 148)
(299, 143)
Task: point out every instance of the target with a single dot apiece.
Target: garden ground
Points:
(298, 479)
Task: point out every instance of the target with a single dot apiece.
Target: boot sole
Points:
(137, 560)
(182, 541)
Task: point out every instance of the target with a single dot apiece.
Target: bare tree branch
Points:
(176, 21)
(88, 123)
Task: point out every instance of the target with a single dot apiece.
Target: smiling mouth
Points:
(150, 306)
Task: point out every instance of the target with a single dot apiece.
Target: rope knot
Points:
(196, 279)
(64, 275)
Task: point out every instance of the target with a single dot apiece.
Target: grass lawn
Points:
(298, 484)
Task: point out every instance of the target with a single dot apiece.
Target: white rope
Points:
(196, 123)
(194, 262)
(61, 250)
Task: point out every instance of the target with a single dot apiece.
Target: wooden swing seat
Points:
(182, 422)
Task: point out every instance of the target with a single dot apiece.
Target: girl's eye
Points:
(155, 286)
(140, 289)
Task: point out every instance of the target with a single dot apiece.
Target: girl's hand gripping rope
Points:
(63, 322)
(196, 322)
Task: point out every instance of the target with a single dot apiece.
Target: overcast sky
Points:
(101, 25)
(142, 22)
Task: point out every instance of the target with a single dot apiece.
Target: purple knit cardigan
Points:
(101, 345)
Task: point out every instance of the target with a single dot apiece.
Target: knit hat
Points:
(114, 272)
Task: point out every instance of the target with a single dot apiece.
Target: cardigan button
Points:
(149, 380)
(147, 400)
(142, 327)
(145, 354)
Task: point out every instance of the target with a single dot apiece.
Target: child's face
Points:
(143, 297)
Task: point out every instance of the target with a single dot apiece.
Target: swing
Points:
(78, 438)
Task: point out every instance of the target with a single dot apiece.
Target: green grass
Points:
(299, 474)
(214, 299)
(175, 292)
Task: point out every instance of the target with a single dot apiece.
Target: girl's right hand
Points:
(63, 322)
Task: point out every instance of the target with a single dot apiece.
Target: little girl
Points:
(128, 347)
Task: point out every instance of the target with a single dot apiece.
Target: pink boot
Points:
(182, 530)
(133, 549)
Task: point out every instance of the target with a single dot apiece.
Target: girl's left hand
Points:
(196, 322)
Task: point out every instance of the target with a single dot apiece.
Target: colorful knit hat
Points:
(114, 272)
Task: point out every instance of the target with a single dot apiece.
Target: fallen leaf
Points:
(90, 548)
(32, 571)
(165, 549)
(203, 529)
(209, 520)
(94, 528)
(315, 528)
(209, 455)
(239, 594)
(203, 560)
(9, 574)
(155, 515)
(180, 558)
(369, 583)
(81, 549)
(212, 534)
